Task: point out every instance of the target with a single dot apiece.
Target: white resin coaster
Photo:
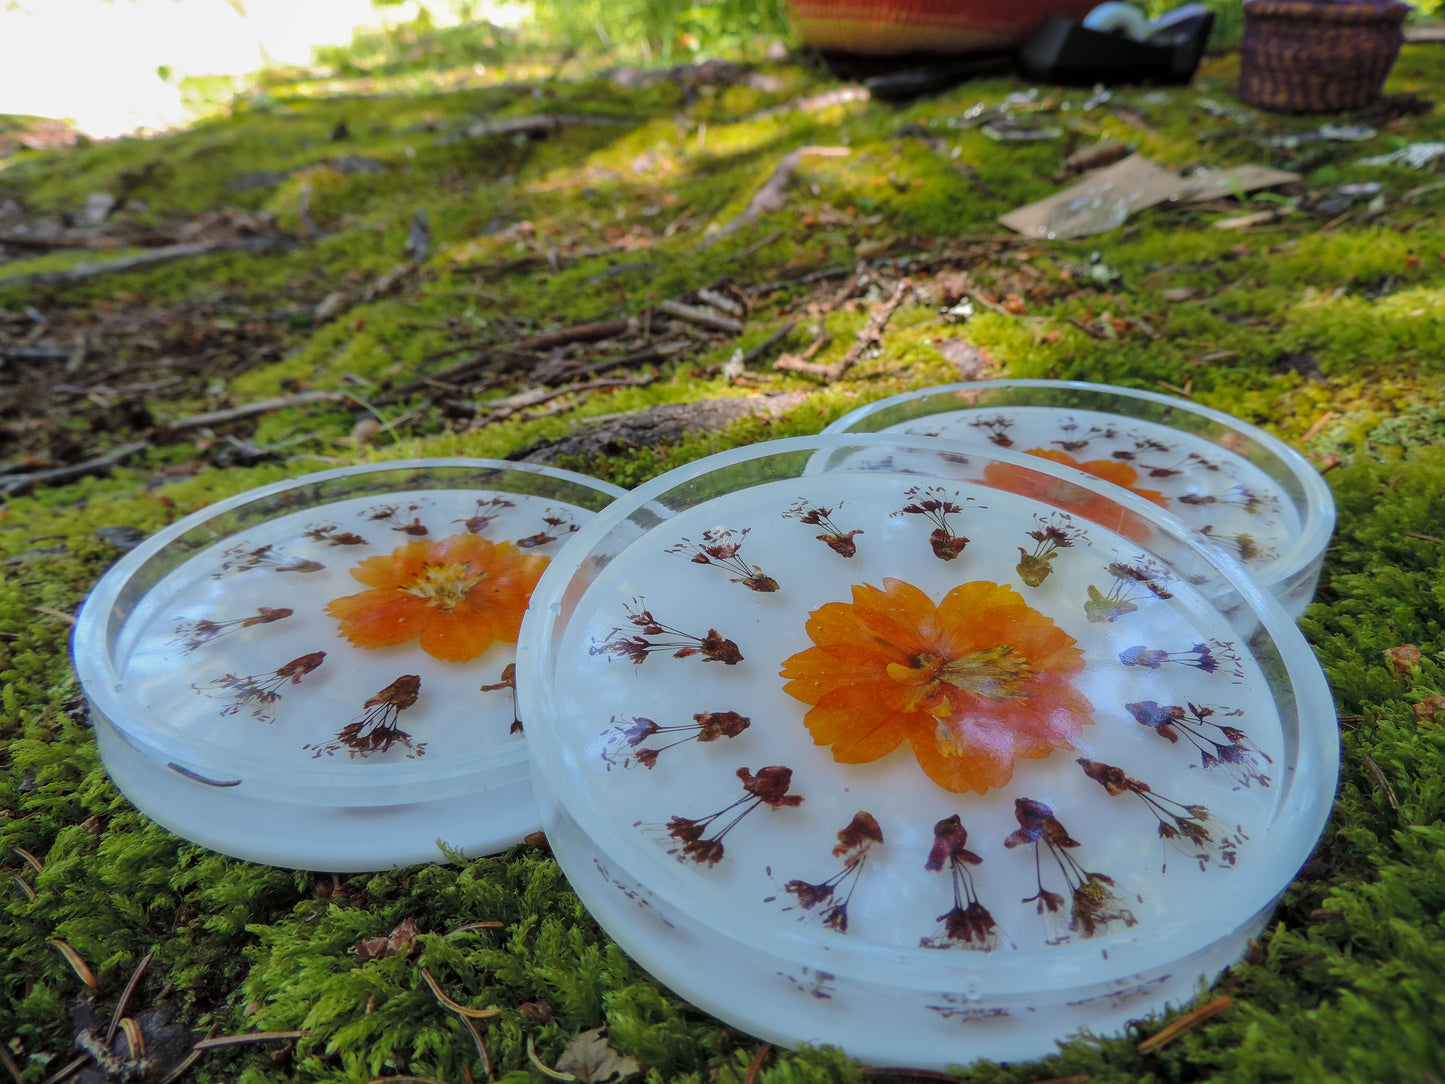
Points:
(856, 742)
(317, 673)
(1236, 485)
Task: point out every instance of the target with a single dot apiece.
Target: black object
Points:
(1065, 51)
(937, 75)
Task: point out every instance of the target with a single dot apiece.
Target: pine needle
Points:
(83, 972)
(1184, 1023)
(116, 1017)
(456, 1006)
(756, 1064)
(244, 1040)
(538, 1064)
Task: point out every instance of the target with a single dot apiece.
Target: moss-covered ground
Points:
(1325, 326)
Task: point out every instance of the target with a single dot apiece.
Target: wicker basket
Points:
(938, 27)
(1318, 56)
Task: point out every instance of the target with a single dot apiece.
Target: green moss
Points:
(1326, 333)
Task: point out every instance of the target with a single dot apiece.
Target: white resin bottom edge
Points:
(301, 835)
(888, 1027)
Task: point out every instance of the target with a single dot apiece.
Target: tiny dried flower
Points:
(487, 510)
(713, 647)
(1242, 544)
(238, 559)
(376, 730)
(997, 428)
(1211, 657)
(968, 923)
(1076, 441)
(720, 547)
(768, 787)
(332, 535)
(1191, 829)
(1220, 745)
(1093, 905)
(933, 504)
(507, 680)
(554, 526)
(855, 841)
(833, 536)
(192, 634)
(706, 726)
(1132, 582)
(1052, 533)
(259, 691)
(394, 515)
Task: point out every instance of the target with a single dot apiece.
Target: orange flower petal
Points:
(398, 568)
(424, 590)
(853, 743)
(983, 763)
(380, 618)
(878, 673)
(458, 635)
(468, 549)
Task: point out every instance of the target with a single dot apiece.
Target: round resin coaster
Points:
(318, 673)
(933, 757)
(1233, 483)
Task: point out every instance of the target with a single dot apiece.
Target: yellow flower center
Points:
(996, 673)
(445, 586)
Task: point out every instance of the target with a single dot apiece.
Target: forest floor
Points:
(439, 249)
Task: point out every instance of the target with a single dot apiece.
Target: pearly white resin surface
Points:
(807, 900)
(896, 902)
(230, 707)
(1217, 492)
(191, 692)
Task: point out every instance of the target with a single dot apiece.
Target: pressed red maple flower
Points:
(457, 596)
(972, 683)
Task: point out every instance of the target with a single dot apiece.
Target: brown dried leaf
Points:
(1431, 709)
(1404, 659)
(400, 939)
(590, 1059)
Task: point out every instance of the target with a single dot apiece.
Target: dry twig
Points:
(24, 483)
(149, 258)
(866, 340)
(1184, 1023)
(773, 194)
(263, 406)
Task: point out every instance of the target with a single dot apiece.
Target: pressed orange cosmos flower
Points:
(1006, 476)
(457, 596)
(972, 683)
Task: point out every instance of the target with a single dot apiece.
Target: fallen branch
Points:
(263, 406)
(166, 254)
(866, 339)
(24, 483)
(754, 248)
(744, 360)
(652, 427)
(833, 272)
(578, 333)
(496, 410)
(536, 124)
(773, 195)
(842, 96)
(553, 376)
(702, 317)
